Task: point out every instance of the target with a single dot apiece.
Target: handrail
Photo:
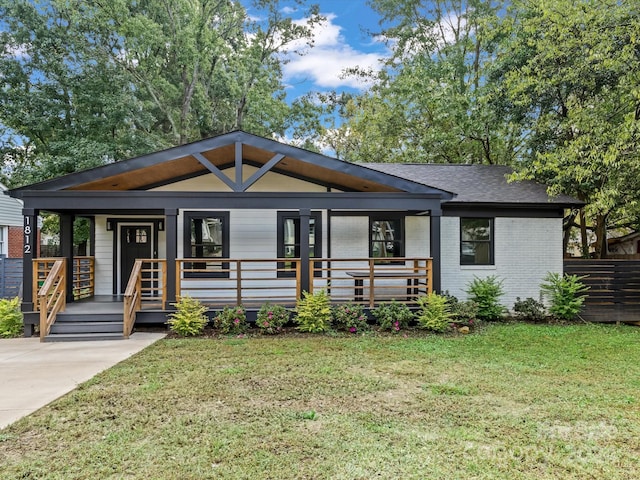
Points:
(83, 277)
(52, 296)
(132, 298)
(144, 285)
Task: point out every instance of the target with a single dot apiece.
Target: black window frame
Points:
(202, 214)
(401, 241)
(317, 246)
(490, 242)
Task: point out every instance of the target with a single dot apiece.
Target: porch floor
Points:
(97, 304)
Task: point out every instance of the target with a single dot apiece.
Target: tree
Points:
(430, 101)
(89, 82)
(569, 77)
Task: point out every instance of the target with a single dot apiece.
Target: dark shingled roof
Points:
(474, 183)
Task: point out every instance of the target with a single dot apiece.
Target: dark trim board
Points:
(122, 201)
(497, 210)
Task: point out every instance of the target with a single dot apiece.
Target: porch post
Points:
(171, 232)
(305, 214)
(29, 250)
(66, 250)
(436, 253)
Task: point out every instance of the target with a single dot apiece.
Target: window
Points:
(476, 241)
(206, 236)
(289, 239)
(3, 242)
(386, 238)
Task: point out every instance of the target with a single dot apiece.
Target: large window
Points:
(206, 236)
(386, 238)
(476, 242)
(3, 242)
(289, 236)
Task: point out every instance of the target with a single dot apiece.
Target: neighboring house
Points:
(626, 245)
(237, 203)
(11, 231)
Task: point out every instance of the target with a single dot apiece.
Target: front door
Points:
(135, 241)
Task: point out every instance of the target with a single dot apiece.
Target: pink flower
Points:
(396, 325)
(265, 324)
(353, 329)
(239, 311)
(236, 321)
(270, 315)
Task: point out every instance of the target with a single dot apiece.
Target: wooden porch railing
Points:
(83, 277)
(256, 281)
(248, 282)
(51, 297)
(146, 285)
(370, 281)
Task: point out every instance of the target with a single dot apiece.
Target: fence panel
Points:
(10, 277)
(614, 293)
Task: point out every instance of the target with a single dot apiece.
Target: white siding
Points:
(10, 210)
(525, 250)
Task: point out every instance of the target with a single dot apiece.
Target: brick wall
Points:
(15, 242)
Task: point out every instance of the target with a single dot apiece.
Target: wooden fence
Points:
(614, 293)
(10, 277)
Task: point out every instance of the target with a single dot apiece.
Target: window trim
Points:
(490, 242)
(283, 215)
(382, 217)
(188, 216)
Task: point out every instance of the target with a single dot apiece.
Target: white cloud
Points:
(325, 62)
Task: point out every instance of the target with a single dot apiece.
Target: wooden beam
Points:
(215, 170)
(261, 172)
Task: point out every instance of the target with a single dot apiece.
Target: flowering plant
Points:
(271, 318)
(392, 316)
(350, 317)
(231, 320)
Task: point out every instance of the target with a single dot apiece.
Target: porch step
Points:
(82, 337)
(86, 326)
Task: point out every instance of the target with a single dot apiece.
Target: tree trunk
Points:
(583, 234)
(601, 236)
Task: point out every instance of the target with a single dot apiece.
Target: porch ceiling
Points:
(223, 158)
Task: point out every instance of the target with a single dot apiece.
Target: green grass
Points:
(513, 401)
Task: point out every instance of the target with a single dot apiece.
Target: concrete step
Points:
(82, 337)
(87, 327)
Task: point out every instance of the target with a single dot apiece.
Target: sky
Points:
(341, 42)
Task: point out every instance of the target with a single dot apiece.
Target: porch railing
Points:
(146, 286)
(367, 281)
(83, 277)
(51, 298)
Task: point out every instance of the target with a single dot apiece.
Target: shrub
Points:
(463, 313)
(313, 312)
(189, 319)
(529, 309)
(434, 312)
(231, 320)
(10, 318)
(564, 294)
(485, 292)
(271, 318)
(350, 317)
(392, 316)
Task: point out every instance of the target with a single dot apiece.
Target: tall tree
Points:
(83, 82)
(569, 76)
(429, 102)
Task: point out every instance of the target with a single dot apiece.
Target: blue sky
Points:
(341, 42)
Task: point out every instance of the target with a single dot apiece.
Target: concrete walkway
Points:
(33, 374)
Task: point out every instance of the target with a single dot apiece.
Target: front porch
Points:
(148, 297)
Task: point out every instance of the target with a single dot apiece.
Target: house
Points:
(627, 245)
(240, 219)
(10, 225)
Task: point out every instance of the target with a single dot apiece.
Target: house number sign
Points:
(27, 235)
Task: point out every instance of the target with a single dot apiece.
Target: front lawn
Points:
(510, 402)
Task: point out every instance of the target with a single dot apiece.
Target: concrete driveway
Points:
(33, 374)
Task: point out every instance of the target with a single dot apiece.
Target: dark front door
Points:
(135, 243)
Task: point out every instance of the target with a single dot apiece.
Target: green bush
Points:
(565, 294)
(231, 320)
(10, 318)
(529, 309)
(486, 292)
(271, 318)
(463, 313)
(190, 317)
(393, 316)
(350, 317)
(434, 312)
(313, 312)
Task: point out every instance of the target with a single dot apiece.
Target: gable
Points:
(225, 157)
